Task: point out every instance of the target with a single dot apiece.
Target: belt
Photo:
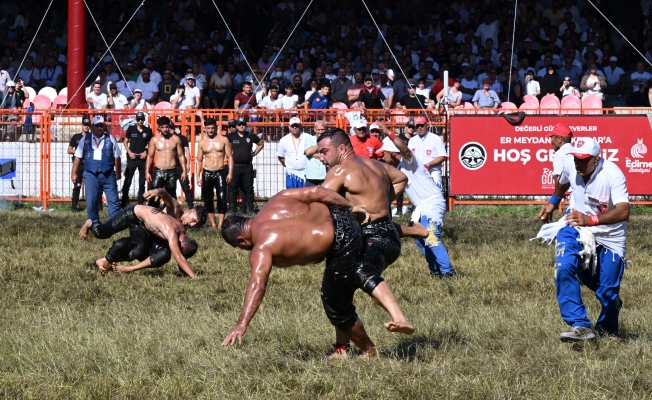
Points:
(242, 165)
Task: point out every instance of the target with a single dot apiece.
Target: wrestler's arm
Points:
(317, 194)
(618, 214)
(545, 214)
(398, 179)
(415, 231)
(173, 243)
(151, 150)
(261, 266)
(182, 160)
(172, 207)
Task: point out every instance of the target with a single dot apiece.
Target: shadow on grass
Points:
(418, 347)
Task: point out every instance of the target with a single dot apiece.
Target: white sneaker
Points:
(577, 333)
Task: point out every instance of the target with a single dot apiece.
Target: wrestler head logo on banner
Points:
(473, 155)
(639, 149)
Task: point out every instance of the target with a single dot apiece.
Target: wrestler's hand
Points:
(152, 194)
(132, 155)
(229, 178)
(546, 213)
(200, 182)
(184, 175)
(143, 155)
(576, 218)
(360, 214)
(73, 176)
(235, 334)
(148, 177)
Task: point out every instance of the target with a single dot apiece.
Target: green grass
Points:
(490, 333)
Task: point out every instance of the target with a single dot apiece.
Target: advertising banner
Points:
(490, 156)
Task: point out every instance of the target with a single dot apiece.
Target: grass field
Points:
(492, 332)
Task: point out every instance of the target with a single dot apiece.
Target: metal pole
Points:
(76, 53)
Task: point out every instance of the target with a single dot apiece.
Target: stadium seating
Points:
(339, 105)
(60, 101)
(51, 93)
(571, 105)
(63, 91)
(528, 98)
(529, 108)
(549, 104)
(42, 102)
(469, 108)
(591, 105)
(30, 91)
(508, 106)
(163, 105)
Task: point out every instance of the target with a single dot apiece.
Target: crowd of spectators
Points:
(181, 52)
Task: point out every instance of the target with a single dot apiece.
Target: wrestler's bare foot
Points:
(372, 353)
(121, 269)
(103, 265)
(403, 327)
(83, 232)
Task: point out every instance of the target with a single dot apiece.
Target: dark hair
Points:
(202, 215)
(337, 136)
(325, 84)
(188, 247)
(232, 227)
(210, 121)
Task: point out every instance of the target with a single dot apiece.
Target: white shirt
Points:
(79, 152)
(613, 76)
(639, 77)
(289, 101)
(485, 32)
(148, 89)
(559, 159)
(29, 77)
(120, 102)
(153, 76)
(294, 153)
(100, 99)
(268, 103)
(187, 100)
(422, 190)
(532, 87)
(51, 76)
(606, 188)
(427, 148)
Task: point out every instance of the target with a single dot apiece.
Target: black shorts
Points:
(381, 246)
(214, 182)
(121, 221)
(138, 246)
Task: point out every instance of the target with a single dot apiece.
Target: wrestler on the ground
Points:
(158, 224)
(165, 146)
(213, 176)
(288, 232)
(371, 185)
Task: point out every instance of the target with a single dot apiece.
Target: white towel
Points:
(589, 255)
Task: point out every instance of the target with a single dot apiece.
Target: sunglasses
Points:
(362, 129)
(242, 124)
(295, 125)
(420, 126)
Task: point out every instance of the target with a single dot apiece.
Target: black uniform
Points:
(243, 169)
(138, 141)
(185, 185)
(74, 143)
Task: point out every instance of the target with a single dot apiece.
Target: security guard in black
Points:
(242, 143)
(136, 140)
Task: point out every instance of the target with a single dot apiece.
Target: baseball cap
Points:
(86, 121)
(185, 48)
(138, 91)
(11, 83)
(388, 145)
(613, 58)
(465, 65)
(98, 120)
(190, 76)
(140, 115)
(374, 126)
(367, 78)
(410, 123)
(527, 40)
(374, 71)
(361, 123)
(242, 120)
(295, 121)
(420, 121)
(232, 122)
(113, 86)
(585, 147)
(429, 59)
(561, 130)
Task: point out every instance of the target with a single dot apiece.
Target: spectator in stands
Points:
(138, 103)
(387, 90)
(371, 97)
(29, 74)
(52, 75)
(315, 169)
(340, 87)
(148, 88)
(192, 91)
(364, 145)
(299, 90)
(245, 99)
(126, 88)
(550, 82)
(180, 100)
(593, 83)
(532, 87)
(354, 90)
(453, 98)
(469, 86)
(570, 70)
(272, 101)
(486, 98)
(166, 88)
(10, 100)
(220, 87)
(615, 77)
(290, 99)
(640, 77)
(567, 89)
(320, 99)
(96, 99)
(116, 101)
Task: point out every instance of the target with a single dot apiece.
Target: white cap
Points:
(613, 58)
(98, 120)
(388, 145)
(527, 40)
(465, 65)
(138, 91)
(374, 126)
(585, 147)
(390, 74)
(374, 71)
(11, 83)
(361, 123)
(295, 120)
(430, 59)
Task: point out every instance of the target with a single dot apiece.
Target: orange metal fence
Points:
(39, 142)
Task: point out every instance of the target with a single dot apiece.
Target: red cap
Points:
(420, 120)
(561, 130)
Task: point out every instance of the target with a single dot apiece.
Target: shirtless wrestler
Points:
(371, 185)
(151, 251)
(158, 224)
(213, 177)
(164, 147)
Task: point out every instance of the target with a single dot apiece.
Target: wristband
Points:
(427, 166)
(555, 200)
(392, 136)
(594, 220)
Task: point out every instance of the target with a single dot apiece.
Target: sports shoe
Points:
(577, 333)
(340, 352)
(448, 275)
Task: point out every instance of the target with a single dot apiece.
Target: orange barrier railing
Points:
(43, 165)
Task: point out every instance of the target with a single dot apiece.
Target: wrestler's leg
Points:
(359, 337)
(384, 296)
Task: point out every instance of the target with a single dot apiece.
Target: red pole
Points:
(76, 53)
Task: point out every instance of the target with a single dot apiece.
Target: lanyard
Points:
(296, 144)
(97, 143)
